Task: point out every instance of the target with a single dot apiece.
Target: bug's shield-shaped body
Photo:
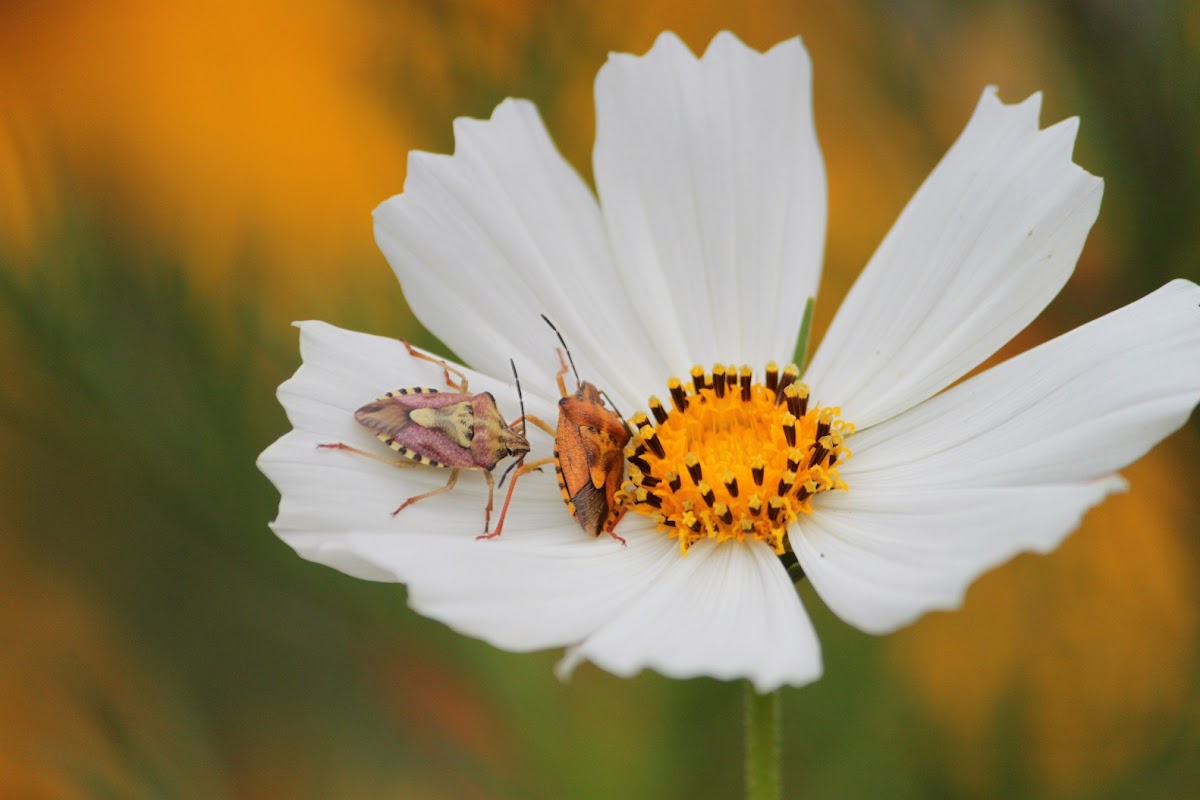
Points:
(589, 459)
(443, 429)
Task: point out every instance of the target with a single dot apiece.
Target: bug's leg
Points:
(449, 485)
(503, 512)
(536, 421)
(446, 368)
(536, 465)
(611, 528)
(563, 368)
(487, 512)
(389, 461)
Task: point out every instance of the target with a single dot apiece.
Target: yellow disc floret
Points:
(733, 458)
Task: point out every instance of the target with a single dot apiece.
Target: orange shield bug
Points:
(449, 430)
(589, 452)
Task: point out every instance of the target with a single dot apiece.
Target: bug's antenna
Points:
(516, 463)
(606, 396)
(521, 400)
(564, 344)
(520, 397)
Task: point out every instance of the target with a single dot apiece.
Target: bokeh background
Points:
(180, 181)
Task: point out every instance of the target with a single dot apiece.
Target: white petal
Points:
(1073, 409)
(726, 611)
(488, 239)
(985, 243)
(881, 558)
(533, 592)
(1007, 461)
(541, 583)
(713, 189)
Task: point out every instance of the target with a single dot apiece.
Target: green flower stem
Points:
(763, 717)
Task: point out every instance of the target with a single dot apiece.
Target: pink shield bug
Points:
(447, 430)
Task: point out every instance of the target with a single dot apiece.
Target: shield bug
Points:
(448, 430)
(589, 452)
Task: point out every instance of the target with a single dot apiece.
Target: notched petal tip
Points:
(670, 42)
(787, 56)
(509, 111)
(991, 110)
(724, 44)
(470, 136)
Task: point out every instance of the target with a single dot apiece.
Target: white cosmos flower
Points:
(702, 247)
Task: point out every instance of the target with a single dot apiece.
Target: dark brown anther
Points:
(640, 463)
(706, 493)
(651, 499)
(804, 493)
(640, 421)
(730, 481)
(832, 459)
(819, 452)
(746, 379)
(678, 395)
(722, 512)
(792, 399)
(772, 377)
(656, 408)
(797, 399)
(789, 429)
(789, 376)
(794, 457)
(823, 426)
(755, 505)
(692, 461)
(649, 481)
(774, 509)
(698, 379)
(786, 482)
(650, 437)
(757, 471)
(718, 379)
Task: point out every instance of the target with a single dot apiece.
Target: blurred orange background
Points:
(178, 183)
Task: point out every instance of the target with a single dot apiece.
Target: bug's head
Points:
(513, 442)
(588, 393)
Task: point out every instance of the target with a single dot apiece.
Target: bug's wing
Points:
(385, 416)
(595, 498)
(431, 428)
(591, 508)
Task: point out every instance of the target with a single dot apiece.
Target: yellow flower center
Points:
(732, 458)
